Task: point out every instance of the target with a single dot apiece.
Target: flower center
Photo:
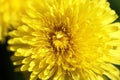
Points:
(60, 41)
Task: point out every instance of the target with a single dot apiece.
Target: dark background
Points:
(6, 67)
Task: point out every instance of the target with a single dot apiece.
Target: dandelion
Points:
(9, 10)
(67, 40)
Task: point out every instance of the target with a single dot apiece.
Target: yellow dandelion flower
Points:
(68, 40)
(9, 10)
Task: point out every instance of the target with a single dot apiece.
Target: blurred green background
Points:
(115, 4)
(6, 67)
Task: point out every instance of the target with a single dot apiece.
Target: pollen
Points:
(60, 41)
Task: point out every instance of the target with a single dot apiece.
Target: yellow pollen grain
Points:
(58, 36)
(60, 40)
